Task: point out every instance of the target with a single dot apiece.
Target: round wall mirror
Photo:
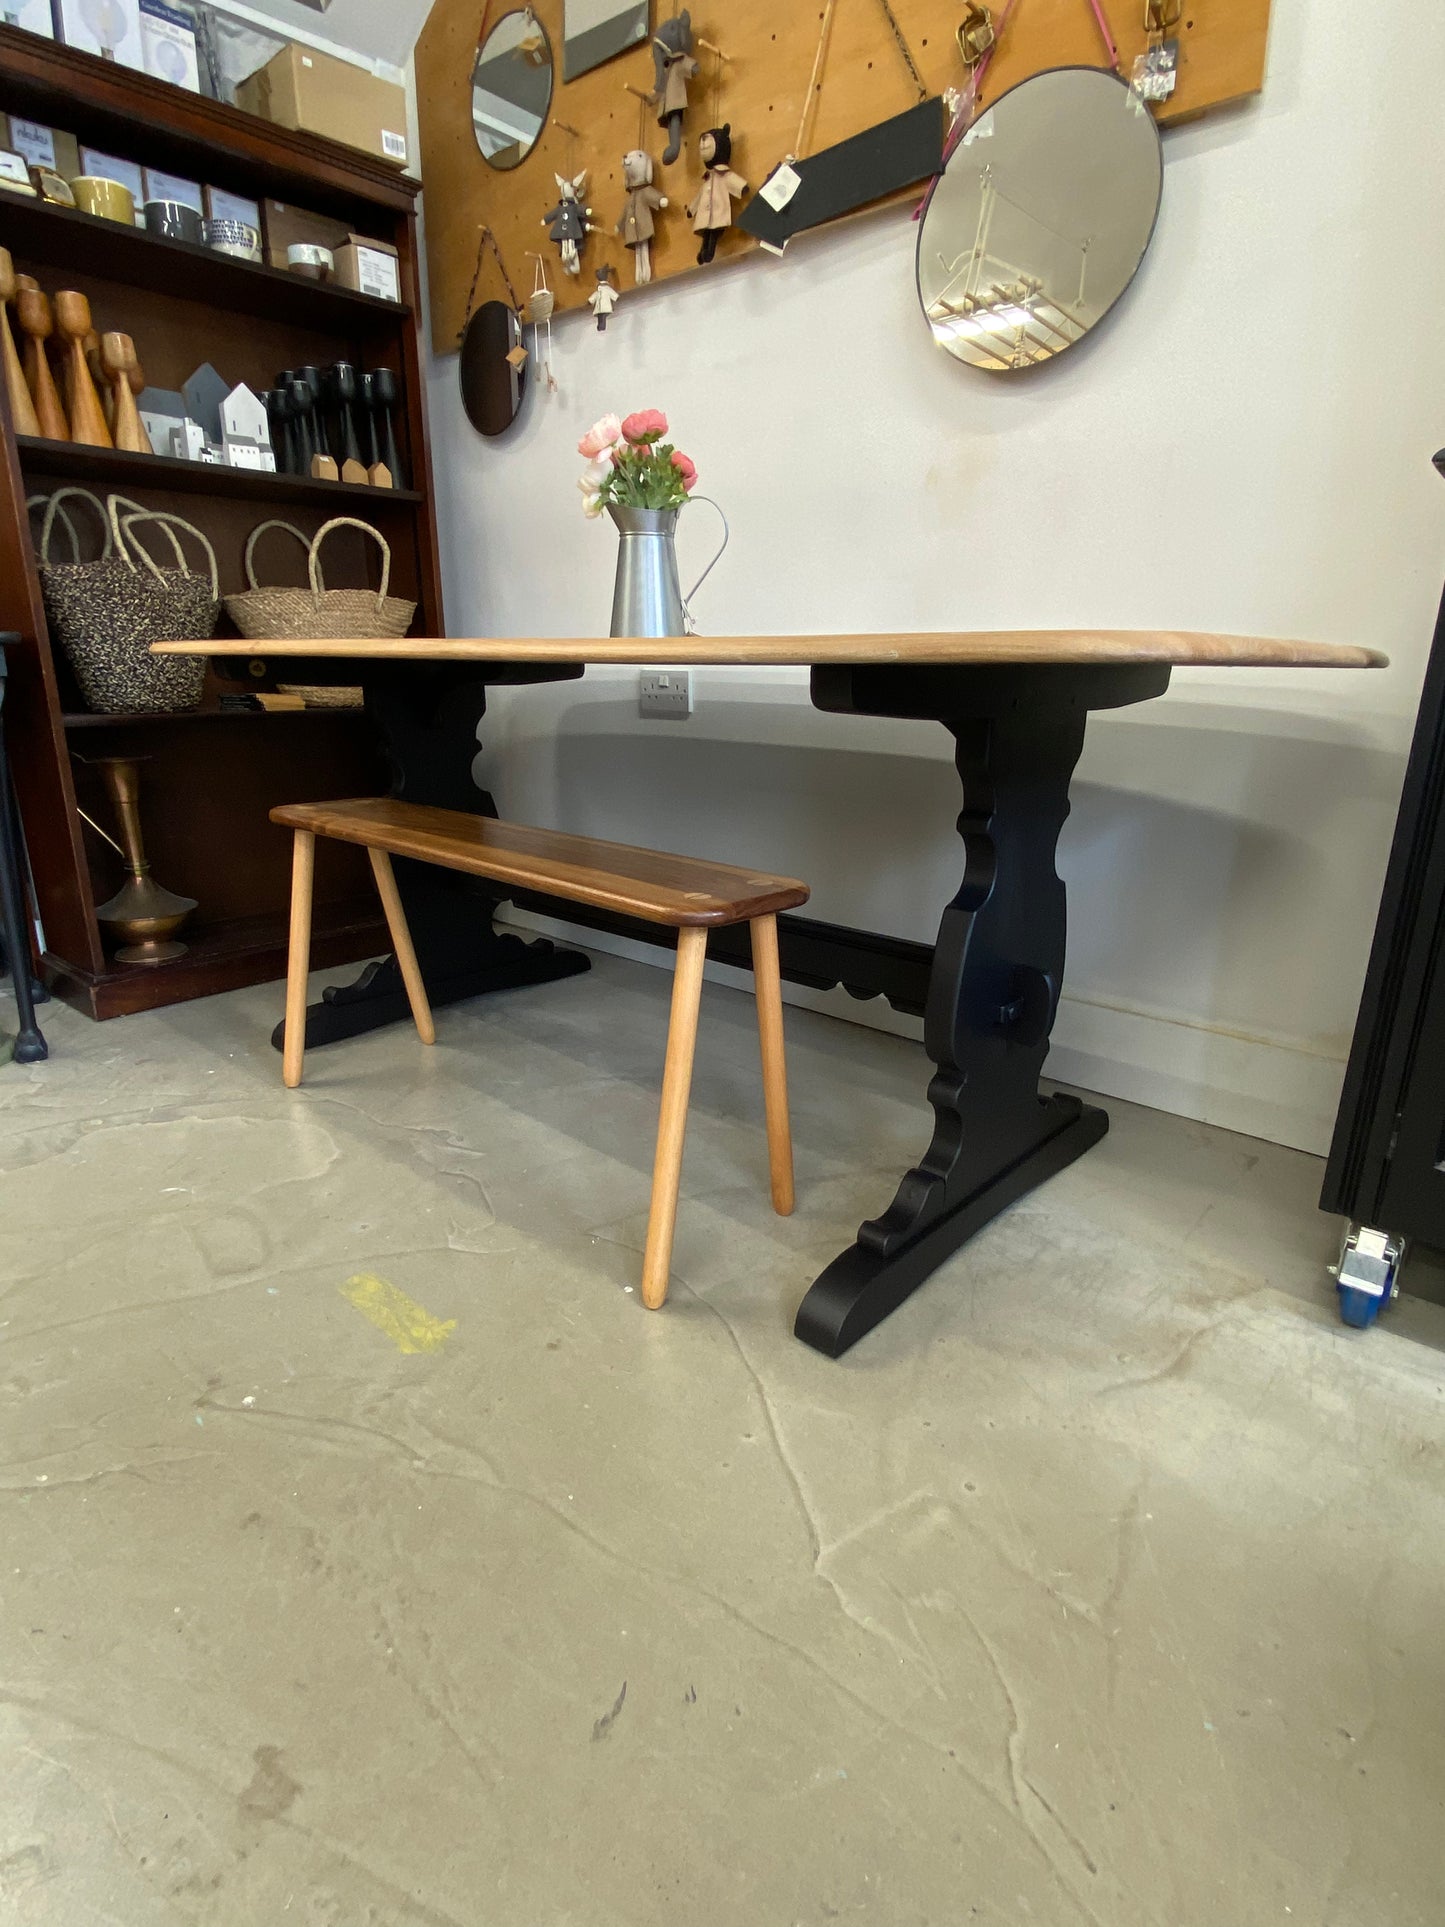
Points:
(512, 89)
(1039, 221)
(493, 377)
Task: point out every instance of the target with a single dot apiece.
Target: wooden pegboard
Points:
(771, 47)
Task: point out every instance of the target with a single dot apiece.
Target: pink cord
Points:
(961, 127)
(1110, 45)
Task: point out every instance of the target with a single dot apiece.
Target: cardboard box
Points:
(42, 146)
(369, 267)
(294, 227)
(168, 45)
(319, 94)
(221, 206)
(120, 25)
(33, 15)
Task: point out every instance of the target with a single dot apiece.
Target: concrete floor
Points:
(1102, 1585)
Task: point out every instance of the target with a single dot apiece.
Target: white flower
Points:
(592, 507)
(593, 476)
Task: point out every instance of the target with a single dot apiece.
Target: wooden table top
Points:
(1042, 646)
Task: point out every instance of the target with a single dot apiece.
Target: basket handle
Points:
(256, 534)
(113, 508)
(50, 514)
(349, 522)
(34, 502)
(160, 515)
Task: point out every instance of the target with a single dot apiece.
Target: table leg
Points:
(30, 1046)
(997, 974)
(428, 715)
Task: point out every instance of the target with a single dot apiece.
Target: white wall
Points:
(382, 32)
(1245, 447)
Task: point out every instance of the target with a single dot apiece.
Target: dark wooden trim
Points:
(105, 469)
(229, 957)
(102, 103)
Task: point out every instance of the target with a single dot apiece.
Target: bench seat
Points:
(677, 890)
(690, 894)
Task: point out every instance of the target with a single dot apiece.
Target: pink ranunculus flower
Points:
(647, 426)
(600, 437)
(687, 468)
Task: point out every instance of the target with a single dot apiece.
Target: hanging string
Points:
(485, 235)
(968, 107)
(815, 85)
(904, 49)
(1110, 45)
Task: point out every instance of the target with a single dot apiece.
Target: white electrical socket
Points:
(665, 694)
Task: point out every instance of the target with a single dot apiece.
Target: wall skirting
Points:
(1256, 1086)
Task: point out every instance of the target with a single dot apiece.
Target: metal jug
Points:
(648, 599)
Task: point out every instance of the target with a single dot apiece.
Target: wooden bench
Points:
(689, 895)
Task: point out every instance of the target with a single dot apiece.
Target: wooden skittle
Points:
(118, 357)
(87, 417)
(100, 378)
(37, 324)
(22, 404)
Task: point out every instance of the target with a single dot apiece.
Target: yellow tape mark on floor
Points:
(409, 1326)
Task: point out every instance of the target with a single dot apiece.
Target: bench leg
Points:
(401, 944)
(768, 982)
(672, 1126)
(303, 871)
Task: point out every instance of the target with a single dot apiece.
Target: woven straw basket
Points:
(319, 614)
(105, 614)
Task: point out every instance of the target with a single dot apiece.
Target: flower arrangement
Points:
(629, 465)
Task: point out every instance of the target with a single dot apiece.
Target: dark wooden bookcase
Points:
(212, 775)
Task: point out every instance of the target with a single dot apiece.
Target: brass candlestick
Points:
(142, 915)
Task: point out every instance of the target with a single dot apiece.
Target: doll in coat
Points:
(712, 211)
(637, 227)
(674, 67)
(569, 222)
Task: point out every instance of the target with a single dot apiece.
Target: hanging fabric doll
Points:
(603, 299)
(636, 226)
(712, 211)
(674, 67)
(569, 223)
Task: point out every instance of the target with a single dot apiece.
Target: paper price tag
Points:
(780, 187)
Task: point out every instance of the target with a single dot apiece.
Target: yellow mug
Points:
(109, 199)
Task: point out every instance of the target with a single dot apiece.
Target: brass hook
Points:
(1161, 15)
(975, 34)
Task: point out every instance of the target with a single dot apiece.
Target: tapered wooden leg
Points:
(303, 871)
(768, 980)
(402, 947)
(672, 1127)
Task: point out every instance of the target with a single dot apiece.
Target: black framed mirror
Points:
(512, 89)
(1040, 219)
(493, 383)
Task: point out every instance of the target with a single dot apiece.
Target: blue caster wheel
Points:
(1367, 1275)
(1359, 1308)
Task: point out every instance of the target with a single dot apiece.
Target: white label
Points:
(109, 168)
(14, 169)
(170, 187)
(377, 274)
(35, 142)
(393, 145)
(232, 207)
(780, 186)
(307, 61)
